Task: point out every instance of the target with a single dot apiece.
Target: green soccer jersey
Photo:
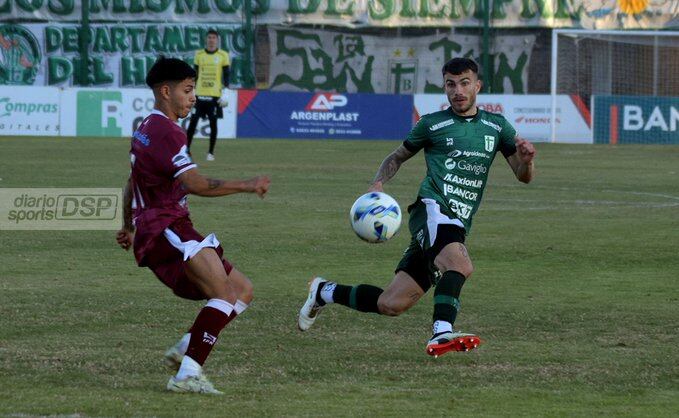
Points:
(458, 152)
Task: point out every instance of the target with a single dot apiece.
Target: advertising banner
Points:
(325, 60)
(266, 114)
(29, 111)
(588, 14)
(531, 115)
(120, 54)
(636, 120)
(117, 113)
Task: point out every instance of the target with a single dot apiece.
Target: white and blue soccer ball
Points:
(375, 217)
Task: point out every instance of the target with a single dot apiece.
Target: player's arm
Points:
(521, 161)
(389, 167)
(225, 69)
(125, 236)
(223, 102)
(225, 75)
(197, 184)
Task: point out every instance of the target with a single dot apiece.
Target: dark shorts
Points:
(167, 259)
(418, 258)
(208, 108)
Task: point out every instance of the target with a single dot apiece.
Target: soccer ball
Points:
(375, 217)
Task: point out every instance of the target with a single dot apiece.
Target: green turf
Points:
(575, 292)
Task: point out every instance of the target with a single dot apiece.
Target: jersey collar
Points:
(159, 113)
(464, 118)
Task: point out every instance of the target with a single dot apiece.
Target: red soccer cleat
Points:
(452, 341)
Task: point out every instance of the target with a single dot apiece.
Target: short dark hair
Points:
(457, 66)
(169, 69)
(212, 32)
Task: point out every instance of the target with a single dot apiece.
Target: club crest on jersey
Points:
(490, 143)
(326, 101)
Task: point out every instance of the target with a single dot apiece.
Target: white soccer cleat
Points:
(192, 384)
(210, 157)
(173, 357)
(311, 308)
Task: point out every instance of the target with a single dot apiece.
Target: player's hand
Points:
(125, 238)
(376, 187)
(222, 102)
(526, 150)
(259, 185)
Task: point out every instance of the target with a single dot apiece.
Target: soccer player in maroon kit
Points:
(161, 232)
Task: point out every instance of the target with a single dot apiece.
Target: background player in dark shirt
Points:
(161, 232)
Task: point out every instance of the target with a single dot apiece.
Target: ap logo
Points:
(326, 101)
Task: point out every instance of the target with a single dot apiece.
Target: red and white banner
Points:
(531, 115)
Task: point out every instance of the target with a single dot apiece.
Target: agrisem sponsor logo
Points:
(474, 154)
(10, 108)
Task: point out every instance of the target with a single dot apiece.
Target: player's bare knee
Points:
(225, 291)
(455, 258)
(242, 284)
(246, 293)
(389, 308)
(465, 270)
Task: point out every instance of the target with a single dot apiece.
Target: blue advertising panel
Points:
(636, 120)
(266, 114)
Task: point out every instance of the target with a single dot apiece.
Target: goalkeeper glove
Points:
(223, 102)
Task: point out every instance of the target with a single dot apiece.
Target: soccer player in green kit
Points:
(459, 145)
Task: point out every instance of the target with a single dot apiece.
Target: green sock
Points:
(362, 298)
(447, 296)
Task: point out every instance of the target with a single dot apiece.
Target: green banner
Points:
(323, 60)
(588, 14)
(119, 54)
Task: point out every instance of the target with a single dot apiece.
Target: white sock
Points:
(183, 344)
(221, 305)
(327, 291)
(189, 367)
(240, 306)
(442, 326)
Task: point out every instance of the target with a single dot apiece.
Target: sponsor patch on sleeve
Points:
(182, 158)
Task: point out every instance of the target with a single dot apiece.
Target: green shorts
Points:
(431, 232)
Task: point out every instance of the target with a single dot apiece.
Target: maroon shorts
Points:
(167, 258)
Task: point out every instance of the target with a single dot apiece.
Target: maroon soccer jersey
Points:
(158, 155)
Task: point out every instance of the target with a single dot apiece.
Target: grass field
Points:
(575, 291)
